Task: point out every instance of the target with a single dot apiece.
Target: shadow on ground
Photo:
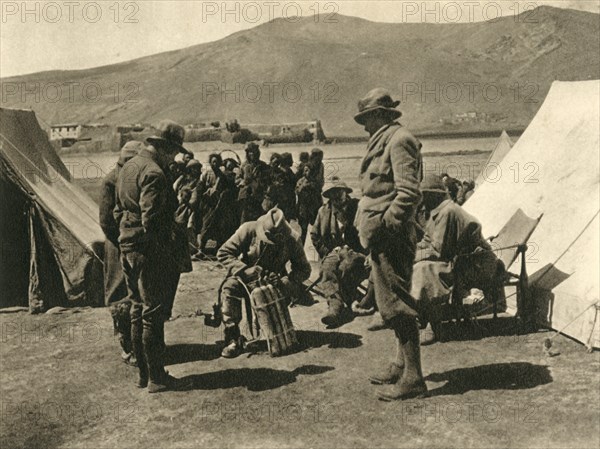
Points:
(480, 328)
(191, 352)
(496, 376)
(311, 340)
(254, 379)
(316, 339)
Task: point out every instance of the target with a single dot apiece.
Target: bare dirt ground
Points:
(63, 385)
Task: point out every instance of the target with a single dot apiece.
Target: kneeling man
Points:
(258, 250)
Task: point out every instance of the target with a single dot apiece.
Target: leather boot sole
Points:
(393, 376)
(168, 382)
(397, 395)
(156, 388)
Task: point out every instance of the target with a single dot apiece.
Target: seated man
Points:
(258, 250)
(451, 258)
(342, 263)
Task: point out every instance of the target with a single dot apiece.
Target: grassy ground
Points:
(63, 385)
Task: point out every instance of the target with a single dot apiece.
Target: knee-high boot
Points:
(125, 334)
(161, 339)
(337, 314)
(137, 345)
(153, 350)
(411, 384)
(391, 373)
(233, 341)
(122, 326)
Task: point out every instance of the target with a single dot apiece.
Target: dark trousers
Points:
(115, 290)
(148, 289)
(171, 291)
(114, 280)
(121, 316)
(342, 271)
(233, 293)
(304, 227)
(392, 265)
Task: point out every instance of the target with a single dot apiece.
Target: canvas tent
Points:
(51, 240)
(554, 170)
(501, 149)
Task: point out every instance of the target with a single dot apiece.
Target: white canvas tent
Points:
(503, 146)
(554, 170)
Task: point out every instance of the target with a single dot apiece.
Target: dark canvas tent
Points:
(51, 239)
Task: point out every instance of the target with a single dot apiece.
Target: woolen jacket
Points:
(245, 249)
(326, 233)
(390, 175)
(143, 209)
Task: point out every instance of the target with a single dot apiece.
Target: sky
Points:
(69, 35)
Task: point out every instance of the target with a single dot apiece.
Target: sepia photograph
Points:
(300, 224)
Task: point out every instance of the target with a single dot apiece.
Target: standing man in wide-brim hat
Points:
(390, 175)
(145, 210)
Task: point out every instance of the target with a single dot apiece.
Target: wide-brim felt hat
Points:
(129, 150)
(378, 99)
(433, 183)
(169, 134)
(335, 184)
(271, 222)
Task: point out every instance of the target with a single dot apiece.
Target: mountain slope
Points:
(286, 72)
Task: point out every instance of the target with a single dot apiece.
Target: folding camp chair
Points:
(508, 244)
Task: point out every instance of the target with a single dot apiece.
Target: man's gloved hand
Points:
(250, 274)
(270, 277)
